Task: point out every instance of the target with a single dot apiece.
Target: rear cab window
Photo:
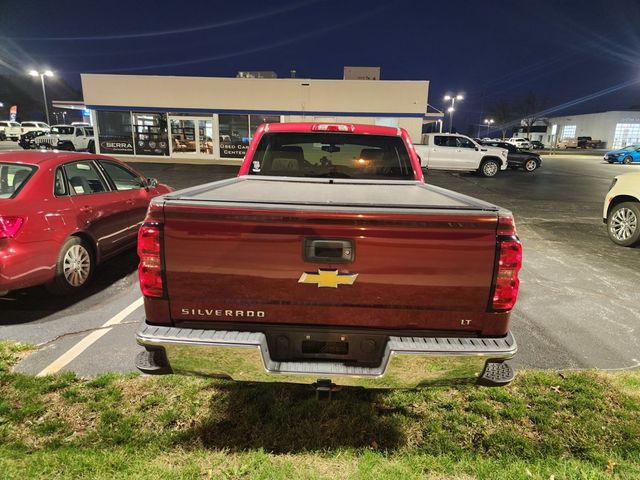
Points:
(332, 155)
(13, 177)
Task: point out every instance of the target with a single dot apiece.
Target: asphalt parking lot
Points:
(579, 305)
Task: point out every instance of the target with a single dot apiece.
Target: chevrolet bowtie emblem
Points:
(328, 278)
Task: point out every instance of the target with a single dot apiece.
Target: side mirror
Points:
(150, 183)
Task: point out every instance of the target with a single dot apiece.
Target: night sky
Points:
(562, 51)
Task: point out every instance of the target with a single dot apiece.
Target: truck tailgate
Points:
(423, 257)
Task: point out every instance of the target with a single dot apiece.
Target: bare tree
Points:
(503, 115)
(530, 107)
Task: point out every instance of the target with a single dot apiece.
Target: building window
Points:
(236, 132)
(234, 135)
(256, 120)
(150, 133)
(115, 134)
(626, 134)
(183, 135)
(568, 131)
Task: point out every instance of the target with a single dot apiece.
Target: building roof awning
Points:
(431, 117)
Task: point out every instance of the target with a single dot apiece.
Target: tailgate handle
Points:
(328, 250)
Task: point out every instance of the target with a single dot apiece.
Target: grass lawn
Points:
(544, 426)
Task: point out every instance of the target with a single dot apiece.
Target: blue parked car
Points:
(626, 155)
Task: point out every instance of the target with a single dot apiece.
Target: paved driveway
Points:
(579, 305)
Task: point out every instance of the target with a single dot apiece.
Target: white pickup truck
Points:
(67, 137)
(446, 151)
(10, 129)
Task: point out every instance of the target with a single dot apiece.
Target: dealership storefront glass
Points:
(150, 133)
(176, 134)
(626, 134)
(115, 134)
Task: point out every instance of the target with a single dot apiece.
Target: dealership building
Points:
(616, 129)
(212, 119)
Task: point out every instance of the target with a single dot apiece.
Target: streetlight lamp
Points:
(46, 73)
(488, 122)
(451, 109)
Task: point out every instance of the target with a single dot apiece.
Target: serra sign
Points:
(116, 144)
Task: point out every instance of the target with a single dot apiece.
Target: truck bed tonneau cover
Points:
(281, 192)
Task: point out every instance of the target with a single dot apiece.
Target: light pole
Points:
(488, 122)
(451, 109)
(46, 73)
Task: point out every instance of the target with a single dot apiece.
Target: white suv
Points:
(520, 142)
(67, 137)
(621, 210)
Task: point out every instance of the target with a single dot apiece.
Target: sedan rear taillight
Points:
(150, 267)
(10, 226)
(508, 264)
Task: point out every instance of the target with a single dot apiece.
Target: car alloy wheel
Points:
(489, 168)
(623, 224)
(76, 265)
(627, 160)
(530, 165)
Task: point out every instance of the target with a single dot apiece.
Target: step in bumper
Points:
(407, 362)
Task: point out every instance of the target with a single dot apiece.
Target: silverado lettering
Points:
(206, 312)
(437, 271)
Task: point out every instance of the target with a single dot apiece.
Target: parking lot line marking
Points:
(67, 357)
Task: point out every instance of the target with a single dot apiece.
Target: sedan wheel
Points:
(74, 267)
(530, 165)
(623, 224)
(627, 160)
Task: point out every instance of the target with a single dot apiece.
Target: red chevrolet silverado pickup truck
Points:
(329, 258)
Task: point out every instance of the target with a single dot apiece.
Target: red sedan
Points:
(61, 214)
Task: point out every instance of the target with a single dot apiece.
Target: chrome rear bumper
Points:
(244, 356)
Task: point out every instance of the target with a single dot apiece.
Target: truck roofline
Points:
(355, 128)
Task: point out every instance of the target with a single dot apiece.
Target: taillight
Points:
(150, 266)
(509, 262)
(324, 127)
(10, 226)
(505, 291)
